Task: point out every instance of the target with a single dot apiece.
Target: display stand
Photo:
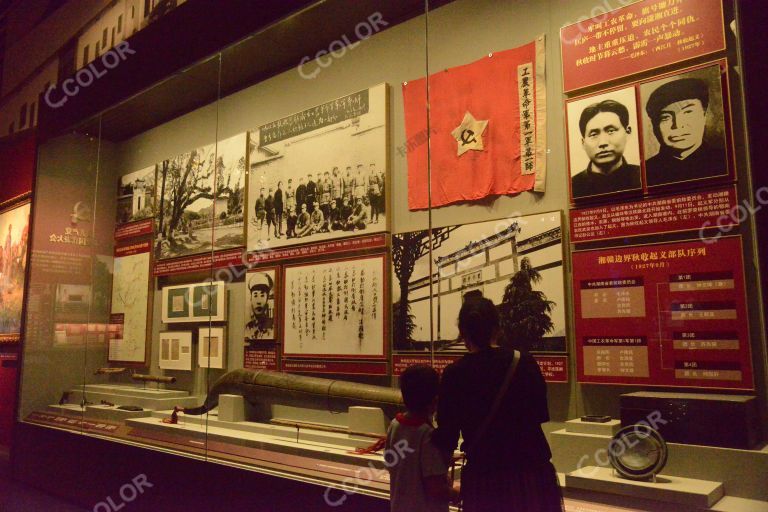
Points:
(670, 489)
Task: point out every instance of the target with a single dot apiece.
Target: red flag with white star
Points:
(486, 129)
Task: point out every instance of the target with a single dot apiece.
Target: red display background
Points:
(317, 249)
(18, 157)
(723, 256)
(701, 20)
(553, 368)
(132, 229)
(7, 401)
(200, 262)
(605, 222)
(343, 367)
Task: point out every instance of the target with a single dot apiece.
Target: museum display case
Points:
(235, 264)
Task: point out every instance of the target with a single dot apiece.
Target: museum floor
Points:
(20, 498)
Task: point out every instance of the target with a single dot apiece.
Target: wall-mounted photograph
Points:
(136, 196)
(604, 145)
(320, 174)
(685, 128)
(260, 310)
(515, 262)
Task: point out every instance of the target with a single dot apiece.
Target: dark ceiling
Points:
(153, 97)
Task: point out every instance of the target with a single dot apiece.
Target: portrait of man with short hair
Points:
(604, 145)
(684, 128)
(260, 308)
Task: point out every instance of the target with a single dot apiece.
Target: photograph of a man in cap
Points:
(686, 118)
(261, 302)
(604, 132)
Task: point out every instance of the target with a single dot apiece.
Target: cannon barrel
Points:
(161, 379)
(263, 388)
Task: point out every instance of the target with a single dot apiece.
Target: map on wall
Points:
(320, 174)
(14, 232)
(130, 301)
(474, 258)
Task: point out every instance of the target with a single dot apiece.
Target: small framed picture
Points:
(199, 302)
(212, 344)
(176, 350)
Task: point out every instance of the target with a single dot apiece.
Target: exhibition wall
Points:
(95, 253)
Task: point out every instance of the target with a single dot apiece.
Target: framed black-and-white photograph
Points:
(685, 127)
(320, 174)
(175, 350)
(604, 144)
(212, 347)
(136, 196)
(261, 313)
(512, 261)
(185, 206)
(229, 204)
(336, 308)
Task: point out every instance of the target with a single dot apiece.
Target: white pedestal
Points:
(596, 429)
(669, 489)
(231, 408)
(368, 420)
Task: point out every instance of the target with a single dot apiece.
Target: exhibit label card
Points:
(663, 315)
(639, 37)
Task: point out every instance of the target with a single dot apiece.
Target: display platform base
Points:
(121, 394)
(305, 448)
(98, 412)
(578, 426)
(670, 489)
(741, 471)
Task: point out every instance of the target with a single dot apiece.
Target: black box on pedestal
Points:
(728, 421)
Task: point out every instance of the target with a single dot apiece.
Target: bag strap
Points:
(499, 398)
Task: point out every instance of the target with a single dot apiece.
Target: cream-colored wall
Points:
(93, 34)
(29, 94)
(28, 47)
(460, 32)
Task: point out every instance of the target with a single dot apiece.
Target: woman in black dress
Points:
(508, 466)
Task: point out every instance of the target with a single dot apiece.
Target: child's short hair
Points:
(419, 384)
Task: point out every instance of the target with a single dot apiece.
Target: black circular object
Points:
(638, 452)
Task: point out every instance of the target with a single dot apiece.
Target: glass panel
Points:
(68, 280)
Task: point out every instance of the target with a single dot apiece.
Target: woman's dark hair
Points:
(478, 320)
(419, 385)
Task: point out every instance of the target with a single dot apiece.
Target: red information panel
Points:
(134, 229)
(402, 361)
(260, 358)
(134, 248)
(553, 368)
(232, 258)
(643, 36)
(317, 249)
(696, 211)
(663, 315)
(343, 367)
